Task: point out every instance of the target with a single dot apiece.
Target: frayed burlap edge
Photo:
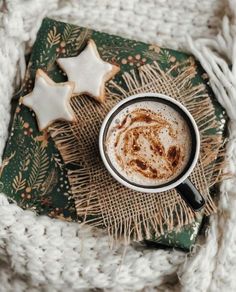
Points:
(149, 78)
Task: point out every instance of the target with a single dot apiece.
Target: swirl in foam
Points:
(148, 143)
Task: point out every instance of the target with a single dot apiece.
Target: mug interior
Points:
(192, 129)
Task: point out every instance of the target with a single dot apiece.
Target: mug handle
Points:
(191, 195)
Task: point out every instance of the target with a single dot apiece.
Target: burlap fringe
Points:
(197, 102)
(173, 215)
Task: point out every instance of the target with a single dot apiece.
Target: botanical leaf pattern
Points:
(18, 182)
(6, 161)
(70, 33)
(82, 37)
(19, 122)
(53, 37)
(39, 167)
(50, 182)
(74, 39)
(25, 163)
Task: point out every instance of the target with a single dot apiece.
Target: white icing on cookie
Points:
(49, 100)
(88, 71)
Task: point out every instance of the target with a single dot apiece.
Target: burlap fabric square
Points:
(102, 201)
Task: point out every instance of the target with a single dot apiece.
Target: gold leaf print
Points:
(70, 33)
(6, 162)
(50, 182)
(25, 163)
(19, 123)
(39, 167)
(83, 36)
(18, 182)
(53, 37)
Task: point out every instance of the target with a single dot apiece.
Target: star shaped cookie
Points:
(49, 100)
(88, 71)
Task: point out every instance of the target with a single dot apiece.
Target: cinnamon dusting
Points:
(139, 149)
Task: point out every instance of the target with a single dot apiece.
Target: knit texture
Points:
(41, 254)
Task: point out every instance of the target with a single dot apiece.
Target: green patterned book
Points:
(33, 172)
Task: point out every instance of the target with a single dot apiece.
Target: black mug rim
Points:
(152, 98)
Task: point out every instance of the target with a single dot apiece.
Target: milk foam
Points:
(168, 131)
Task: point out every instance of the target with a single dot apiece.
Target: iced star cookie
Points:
(88, 71)
(49, 100)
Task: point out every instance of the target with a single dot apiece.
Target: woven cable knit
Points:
(41, 254)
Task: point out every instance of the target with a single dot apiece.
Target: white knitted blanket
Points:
(40, 254)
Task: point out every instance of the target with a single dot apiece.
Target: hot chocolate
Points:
(148, 143)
